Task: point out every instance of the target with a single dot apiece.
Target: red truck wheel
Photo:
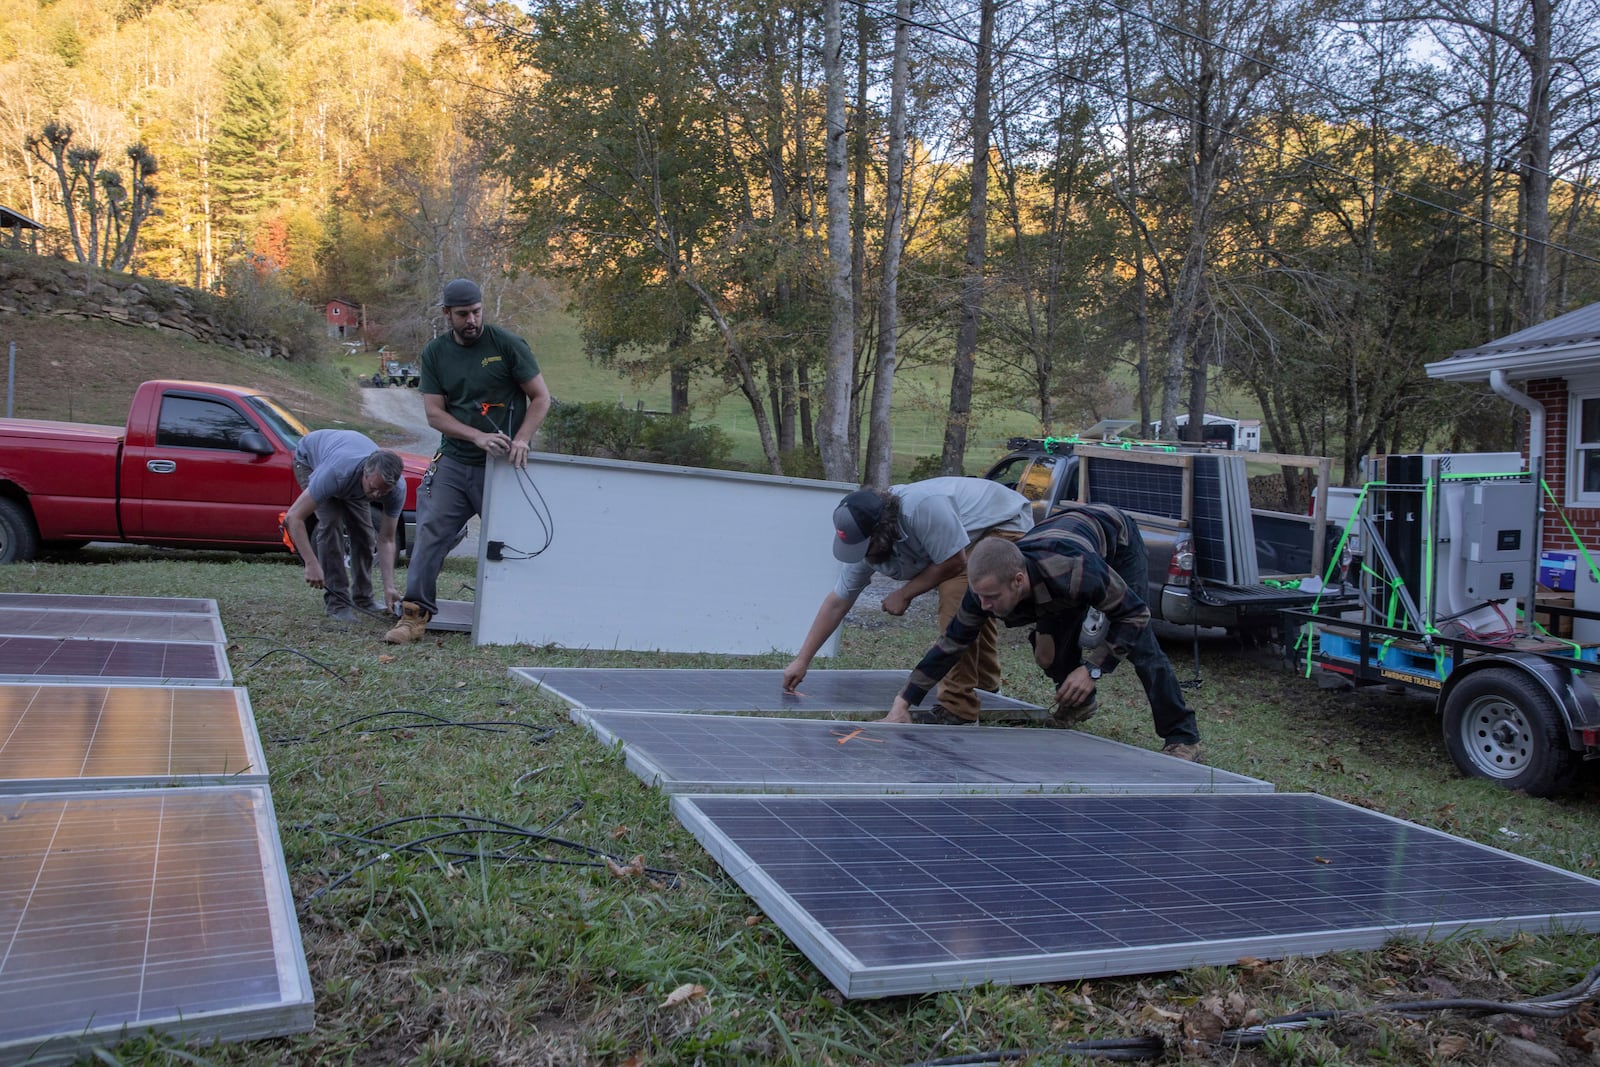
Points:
(19, 541)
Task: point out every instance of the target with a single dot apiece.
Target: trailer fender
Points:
(1579, 708)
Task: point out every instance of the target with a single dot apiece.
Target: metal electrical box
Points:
(1498, 529)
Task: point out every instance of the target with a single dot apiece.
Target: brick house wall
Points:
(1552, 393)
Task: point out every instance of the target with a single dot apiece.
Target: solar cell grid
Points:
(687, 753)
(739, 690)
(1213, 548)
(40, 622)
(80, 602)
(96, 660)
(914, 894)
(165, 909)
(58, 737)
(1150, 488)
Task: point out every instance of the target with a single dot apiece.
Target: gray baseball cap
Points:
(853, 522)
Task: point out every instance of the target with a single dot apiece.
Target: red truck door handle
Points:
(160, 466)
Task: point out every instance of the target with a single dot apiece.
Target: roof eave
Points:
(1541, 363)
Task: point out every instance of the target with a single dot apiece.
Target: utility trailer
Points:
(1448, 552)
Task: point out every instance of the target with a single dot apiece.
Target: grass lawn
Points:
(437, 959)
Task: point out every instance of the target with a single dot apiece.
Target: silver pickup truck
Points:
(1214, 561)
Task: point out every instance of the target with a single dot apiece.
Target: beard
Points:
(468, 335)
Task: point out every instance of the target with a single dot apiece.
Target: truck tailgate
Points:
(68, 470)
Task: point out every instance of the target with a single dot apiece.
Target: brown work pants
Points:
(979, 666)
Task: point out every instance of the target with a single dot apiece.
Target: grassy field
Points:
(431, 958)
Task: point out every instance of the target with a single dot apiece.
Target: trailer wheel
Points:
(1501, 725)
(19, 540)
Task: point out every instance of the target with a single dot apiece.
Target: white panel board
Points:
(653, 558)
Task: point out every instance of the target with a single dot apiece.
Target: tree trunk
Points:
(880, 436)
(834, 431)
(953, 457)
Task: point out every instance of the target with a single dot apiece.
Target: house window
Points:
(1583, 464)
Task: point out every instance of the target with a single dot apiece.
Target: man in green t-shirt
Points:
(482, 391)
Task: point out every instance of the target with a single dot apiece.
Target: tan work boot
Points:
(1182, 751)
(412, 625)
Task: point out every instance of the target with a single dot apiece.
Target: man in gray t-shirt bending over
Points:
(919, 534)
(343, 474)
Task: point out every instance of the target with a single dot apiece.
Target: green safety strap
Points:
(1594, 569)
(1327, 574)
(1577, 649)
(1428, 560)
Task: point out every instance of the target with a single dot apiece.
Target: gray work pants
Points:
(335, 519)
(451, 494)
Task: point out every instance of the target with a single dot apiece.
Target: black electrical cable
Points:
(1549, 1006)
(422, 720)
(297, 652)
(487, 826)
(541, 513)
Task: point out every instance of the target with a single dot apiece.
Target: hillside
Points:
(86, 371)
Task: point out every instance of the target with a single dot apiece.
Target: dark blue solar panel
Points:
(720, 753)
(1211, 545)
(1147, 488)
(894, 895)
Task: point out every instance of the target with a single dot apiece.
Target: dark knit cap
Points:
(462, 292)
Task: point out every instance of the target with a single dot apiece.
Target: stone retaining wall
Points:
(70, 291)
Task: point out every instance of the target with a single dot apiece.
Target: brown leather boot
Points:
(412, 625)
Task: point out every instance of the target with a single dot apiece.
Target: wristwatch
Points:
(1094, 673)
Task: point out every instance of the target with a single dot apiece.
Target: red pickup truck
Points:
(199, 465)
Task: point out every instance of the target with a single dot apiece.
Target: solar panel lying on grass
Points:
(74, 659)
(741, 690)
(453, 616)
(890, 895)
(721, 753)
(146, 626)
(69, 737)
(81, 602)
(165, 909)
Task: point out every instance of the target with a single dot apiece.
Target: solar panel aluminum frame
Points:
(995, 706)
(856, 980)
(254, 755)
(292, 1012)
(1162, 774)
(146, 605)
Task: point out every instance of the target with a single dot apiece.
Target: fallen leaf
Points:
(1583, 1041)
(384, 658)
(1202, 1026)
(1152, 1014)
(683, 994)
(1451, 1045)
(618, 832)
(634, 869)
(753, 920)
(1320, 859)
